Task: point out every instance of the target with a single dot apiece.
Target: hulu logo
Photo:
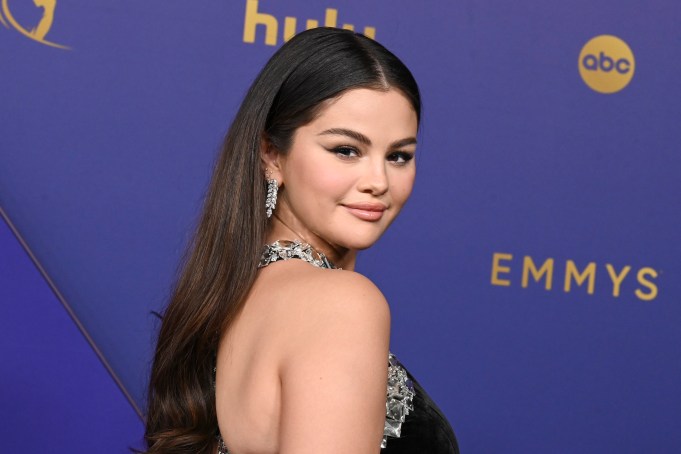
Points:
(255, 18)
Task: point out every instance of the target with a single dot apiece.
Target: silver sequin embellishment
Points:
(222, 449)
(285, 249)
(399, 401)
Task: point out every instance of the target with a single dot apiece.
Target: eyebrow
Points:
(358, 136)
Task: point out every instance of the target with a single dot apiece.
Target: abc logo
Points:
(606, 64)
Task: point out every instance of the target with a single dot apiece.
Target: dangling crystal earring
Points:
(272, 188)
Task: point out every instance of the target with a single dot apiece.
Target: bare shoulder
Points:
(334, 332)
(312, 301)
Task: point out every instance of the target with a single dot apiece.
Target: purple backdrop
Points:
(106, 147)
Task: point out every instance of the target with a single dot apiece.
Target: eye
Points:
(400, 157)
(345, 152)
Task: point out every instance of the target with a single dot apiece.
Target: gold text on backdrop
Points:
(606, 64)
(254, 18)
(501, 267)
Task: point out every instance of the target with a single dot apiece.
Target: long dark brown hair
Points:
(221, 261)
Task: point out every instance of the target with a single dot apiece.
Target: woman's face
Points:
(349, 172)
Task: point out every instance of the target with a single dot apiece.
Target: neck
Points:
(339, 256)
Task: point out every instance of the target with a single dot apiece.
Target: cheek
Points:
(402, 185)
(318, 179)
(326, 180)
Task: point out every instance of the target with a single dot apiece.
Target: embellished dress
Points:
(413, 422)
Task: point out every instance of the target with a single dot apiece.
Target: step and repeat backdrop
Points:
(534, 276)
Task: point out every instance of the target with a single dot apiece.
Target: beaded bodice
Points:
(285, 250)
(400, 390)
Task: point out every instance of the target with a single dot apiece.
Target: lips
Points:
(366, 211)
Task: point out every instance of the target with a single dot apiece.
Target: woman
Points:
(267, 346)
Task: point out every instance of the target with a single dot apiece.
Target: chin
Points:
(361, 246)
(360, 242)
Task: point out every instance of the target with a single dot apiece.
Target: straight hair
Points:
(220, 264)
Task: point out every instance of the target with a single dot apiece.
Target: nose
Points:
(374, 178)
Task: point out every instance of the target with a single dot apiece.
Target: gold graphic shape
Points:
(39, 32)
(606, 64)
(2, 21)
(45, 23)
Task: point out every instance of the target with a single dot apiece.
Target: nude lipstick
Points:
(366, 211)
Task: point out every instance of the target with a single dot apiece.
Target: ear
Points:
(271, 160)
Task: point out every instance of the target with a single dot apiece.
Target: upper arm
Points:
(334, 368)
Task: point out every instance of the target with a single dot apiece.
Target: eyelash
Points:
(405, 156)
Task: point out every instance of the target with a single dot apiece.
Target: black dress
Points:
(424, 429)
(413, 424)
